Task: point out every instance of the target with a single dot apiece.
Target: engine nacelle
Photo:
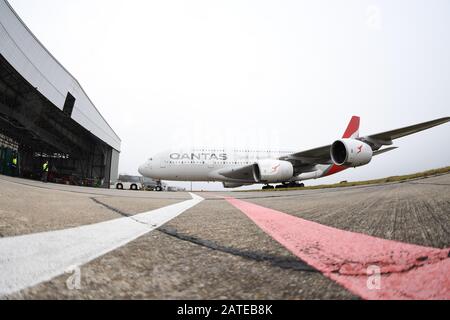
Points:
(273, 171)
(351, 153)
(231, 185)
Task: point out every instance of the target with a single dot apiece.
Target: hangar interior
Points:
(45, 115)
(32, 128)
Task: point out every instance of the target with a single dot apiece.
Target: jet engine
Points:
(273, 171)
(351, 153)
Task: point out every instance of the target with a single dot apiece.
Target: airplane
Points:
(242, 167)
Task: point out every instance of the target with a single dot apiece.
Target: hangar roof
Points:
(37, 65)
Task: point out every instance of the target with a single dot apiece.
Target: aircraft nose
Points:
(143, 169)
(146, 169)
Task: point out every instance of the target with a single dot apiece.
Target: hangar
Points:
(45, 115)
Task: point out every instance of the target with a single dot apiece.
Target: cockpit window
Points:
(151, 159)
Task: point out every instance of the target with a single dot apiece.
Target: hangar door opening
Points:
(34, 131)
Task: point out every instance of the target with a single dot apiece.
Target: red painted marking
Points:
(335, 169)
(407, 271)
(352, 128)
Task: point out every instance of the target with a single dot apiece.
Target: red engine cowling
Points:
(273, 171)
(351, 153)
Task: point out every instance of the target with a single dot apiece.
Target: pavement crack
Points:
(277, 261)
(123, 214)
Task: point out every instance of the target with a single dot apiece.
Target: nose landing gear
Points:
(159, 186)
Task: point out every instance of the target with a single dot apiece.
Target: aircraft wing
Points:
(242, 174)
(322, 155)
(314, 156)
(385, 138)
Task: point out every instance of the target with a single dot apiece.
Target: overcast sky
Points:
(279, 74)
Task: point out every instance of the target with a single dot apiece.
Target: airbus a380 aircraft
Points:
(236, 168)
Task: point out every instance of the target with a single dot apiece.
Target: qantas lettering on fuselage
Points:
(199, 156)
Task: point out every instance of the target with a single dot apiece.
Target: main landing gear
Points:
(285, 186)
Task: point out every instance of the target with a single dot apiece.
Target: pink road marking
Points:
(407, 271)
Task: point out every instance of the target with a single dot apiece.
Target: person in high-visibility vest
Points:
(14, 165)
(45, 172)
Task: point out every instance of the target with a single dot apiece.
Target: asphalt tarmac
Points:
(213, 250)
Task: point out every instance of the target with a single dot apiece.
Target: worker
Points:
(14, 165)
(45, 168)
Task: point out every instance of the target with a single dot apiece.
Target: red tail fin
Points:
(352, 129)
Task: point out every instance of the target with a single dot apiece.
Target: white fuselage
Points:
(204, 164)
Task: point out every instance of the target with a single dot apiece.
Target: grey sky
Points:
(280, 74)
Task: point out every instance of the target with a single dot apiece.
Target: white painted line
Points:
(28, 260)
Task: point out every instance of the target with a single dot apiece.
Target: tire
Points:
(119, 186)
(133, 187)
(158, 189)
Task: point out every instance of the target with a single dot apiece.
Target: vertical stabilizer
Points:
(352, 131)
